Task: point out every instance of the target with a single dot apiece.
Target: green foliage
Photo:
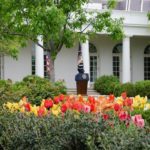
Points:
(128, 88)
(56, 21)
(148, 15)
(72, 132)
(5, 91)
(37, 88)
(110, 85)
(33, 87)
(111, 4)
(10, 45)
(106, 84)
(142, 88)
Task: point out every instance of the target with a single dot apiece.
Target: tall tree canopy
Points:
(60, 22)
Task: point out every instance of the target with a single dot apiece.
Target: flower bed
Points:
(74, 123)
(120, 107)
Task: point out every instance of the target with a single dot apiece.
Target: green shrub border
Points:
(106, 85)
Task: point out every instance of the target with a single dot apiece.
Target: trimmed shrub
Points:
(142, 88)
(106, 84)
(128, 88)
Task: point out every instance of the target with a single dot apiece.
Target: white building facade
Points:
(128, 59)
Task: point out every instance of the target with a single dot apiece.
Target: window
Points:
(116, 59)
(46, 65)
(130, 5)
(147, 63)
(93, 62)
(46, 61)
(33, 65)
(1, 66)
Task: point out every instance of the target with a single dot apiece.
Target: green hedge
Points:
(106, 85)
(129, 88)
(73, 132)
(33, 87)
(143, 88)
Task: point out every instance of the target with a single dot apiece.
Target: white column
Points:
(141, 5)
(85, 54)
(126, 72)
(39, 58)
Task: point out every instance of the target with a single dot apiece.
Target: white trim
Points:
(141, 5)
(1, 66)
(39, 58)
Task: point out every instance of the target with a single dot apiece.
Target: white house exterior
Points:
(128, 59)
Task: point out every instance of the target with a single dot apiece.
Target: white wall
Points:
(104, 46)
(66, 62)
(66, 66)
(18, 69)
(138, 45)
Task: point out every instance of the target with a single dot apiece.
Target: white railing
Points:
(127, 5)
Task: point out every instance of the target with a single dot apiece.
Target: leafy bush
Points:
(142, 88)
(37, 88)
(128, 88)
(106, 84)
(5, 91)
(70, 132)
(34, 87)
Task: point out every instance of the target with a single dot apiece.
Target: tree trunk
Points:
(50, 67)
(52, 73)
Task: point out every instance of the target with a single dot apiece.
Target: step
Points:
(89, 92)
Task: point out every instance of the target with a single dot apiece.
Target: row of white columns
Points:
(126, 73)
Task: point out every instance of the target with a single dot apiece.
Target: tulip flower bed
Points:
(120, 107)
(76, 122)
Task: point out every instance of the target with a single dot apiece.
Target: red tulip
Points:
(64, 108)
(111, 98)
(41, 111)
(61, 97)
(27, 106)
(117, 107)
(124, 116)
(105, 116)
(48, 104)
(128, 102)
(91, 99)
(56, 100)
(92, 107)
(124, 95)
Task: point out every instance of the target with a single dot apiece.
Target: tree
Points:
(60, 22)
(10, 47)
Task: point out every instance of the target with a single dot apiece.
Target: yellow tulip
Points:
(16, 106)
(22, 109)
(119, 100)
(147, 106)
(34, 110)
(56, 112)
(8, 105)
